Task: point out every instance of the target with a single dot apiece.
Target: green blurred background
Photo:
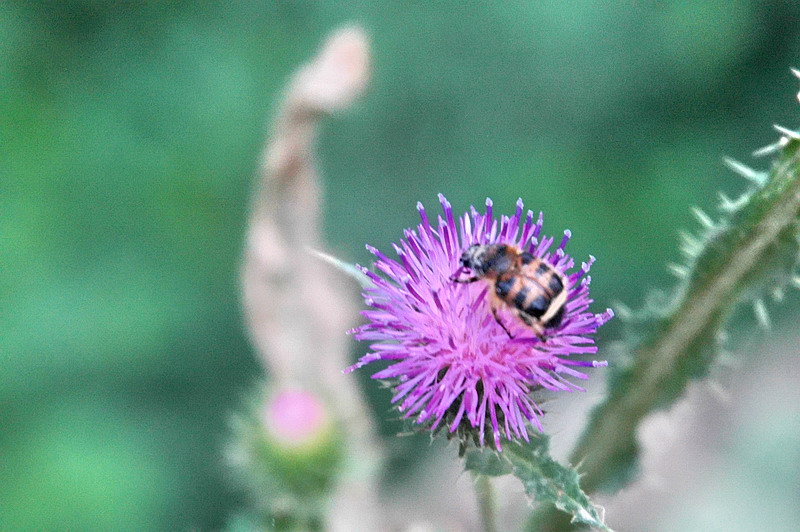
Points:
(129, 137)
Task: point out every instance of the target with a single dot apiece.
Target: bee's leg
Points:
(467, 280)
(456, 277)
(500, 322)
(539, 332)
(537, 329)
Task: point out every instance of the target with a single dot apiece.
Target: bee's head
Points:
(474, 258)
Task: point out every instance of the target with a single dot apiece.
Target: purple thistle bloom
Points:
(453, 365)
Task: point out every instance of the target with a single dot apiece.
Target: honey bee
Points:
(531, 287)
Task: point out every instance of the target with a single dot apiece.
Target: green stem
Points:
(678, 348)
(705, 304)
(487, 509)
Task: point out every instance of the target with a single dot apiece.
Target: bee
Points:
(532, 288)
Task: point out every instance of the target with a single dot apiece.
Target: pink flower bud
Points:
(295, 418)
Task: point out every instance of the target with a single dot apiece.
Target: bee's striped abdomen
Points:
(545, 297)
(532, 287)
(523, 293)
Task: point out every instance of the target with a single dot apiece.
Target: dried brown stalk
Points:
(297, 308)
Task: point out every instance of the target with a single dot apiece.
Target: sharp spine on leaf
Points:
(719, 391)
(778, 293)
(623, 311)
(729, 205)
(772, 148)
(704, 219)
(786, 132)
(679, 271)
(754, 176)
(690, 245)
(762, 315)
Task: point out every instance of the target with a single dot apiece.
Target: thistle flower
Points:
(453, 365)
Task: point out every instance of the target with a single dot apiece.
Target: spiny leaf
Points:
(547, 481)
(752, 251)
(486, 462)
(745, 256)
(544, 479)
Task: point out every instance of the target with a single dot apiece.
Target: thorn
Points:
(772, 148)
(725, 203)
(729, 205)
(762, 315)
(756, 177)
(795, 72)
(778, 293)
(689, 239)
(623, 311)
(726, 360)
(677, 270)
(719, 391)
(704, 219)
(690, 246)
(786, 132)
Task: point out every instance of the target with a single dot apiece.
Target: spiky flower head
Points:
(452, 365)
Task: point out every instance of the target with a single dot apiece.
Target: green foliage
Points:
(544, 479)
(486, 462)
(752, 250)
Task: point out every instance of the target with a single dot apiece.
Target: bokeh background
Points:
(129, 139)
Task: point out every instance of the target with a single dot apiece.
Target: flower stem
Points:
(694, 322)
(681, 344)
(487, 507)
